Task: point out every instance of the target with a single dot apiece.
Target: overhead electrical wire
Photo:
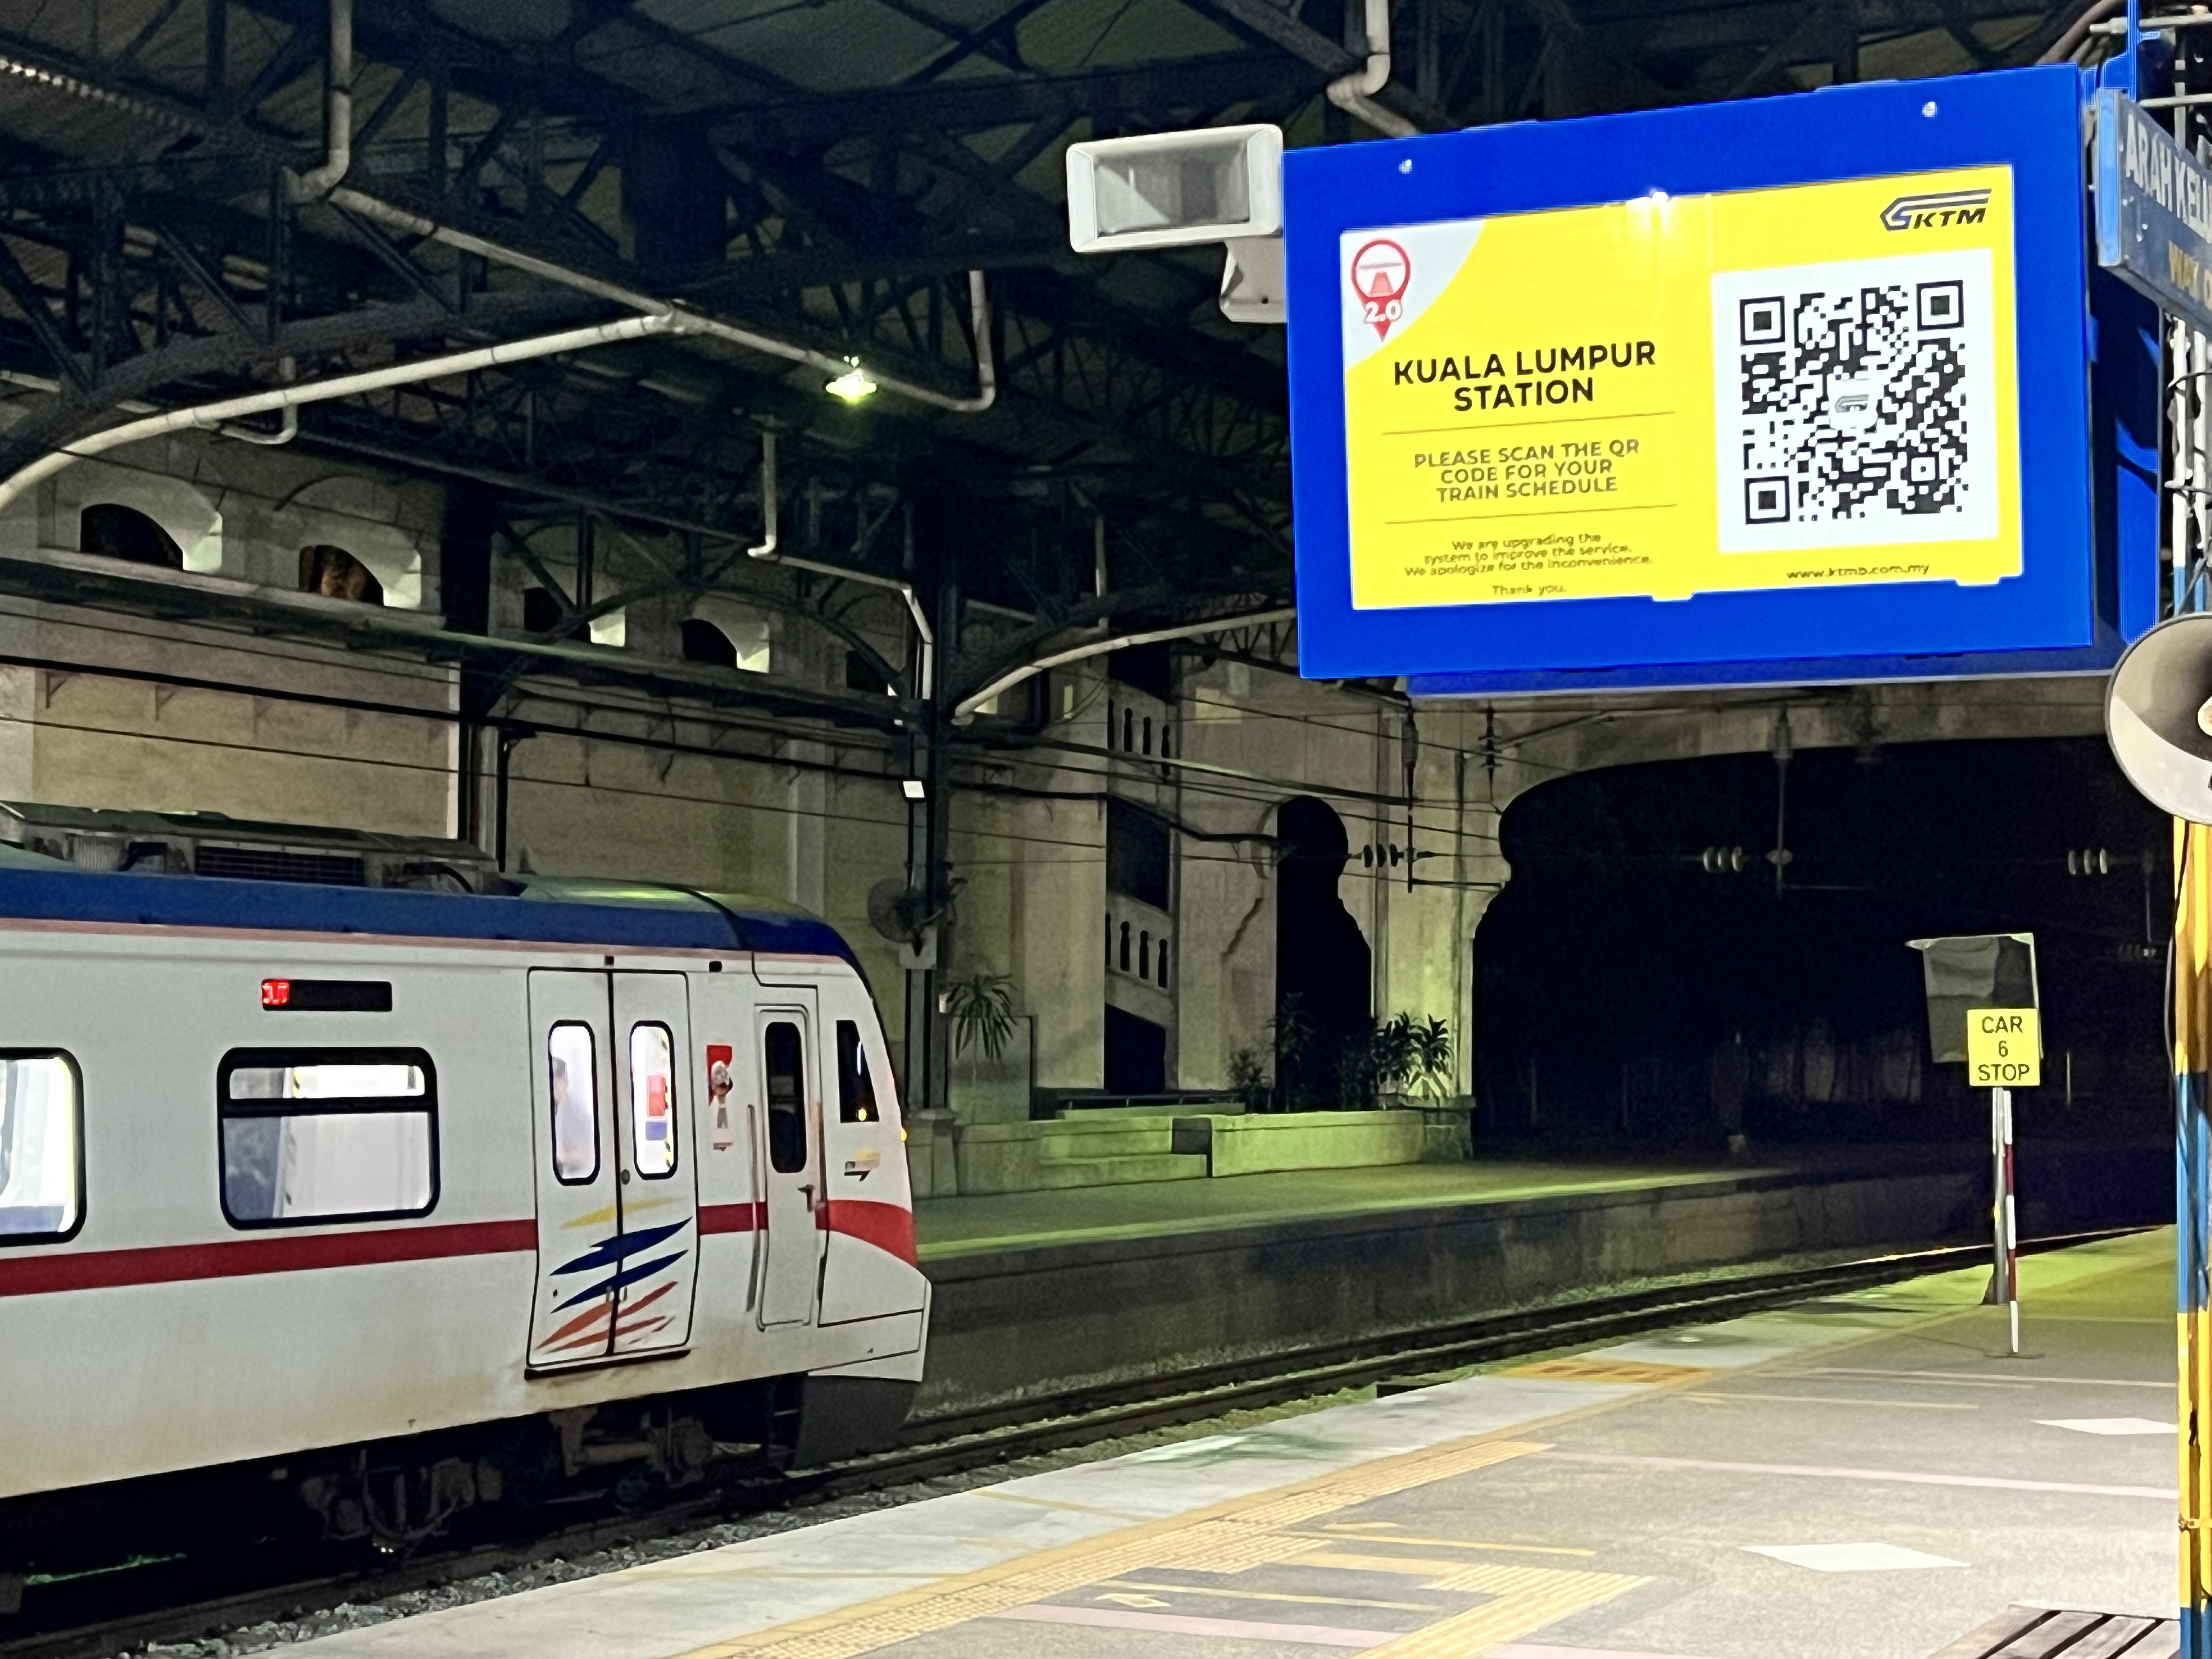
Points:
(1198, 779)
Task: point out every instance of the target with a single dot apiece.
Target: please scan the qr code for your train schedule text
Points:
(1855, 402)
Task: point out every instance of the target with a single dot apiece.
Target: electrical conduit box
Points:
(1972, 978)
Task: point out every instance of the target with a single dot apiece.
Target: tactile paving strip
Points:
(1227, 1538)
(1528, 1598)
(1606, 1371)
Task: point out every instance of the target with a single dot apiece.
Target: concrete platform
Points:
(1861, 1477)
(1041, 1295)
(951, 1227)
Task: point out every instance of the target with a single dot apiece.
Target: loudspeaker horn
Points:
(2158, 716)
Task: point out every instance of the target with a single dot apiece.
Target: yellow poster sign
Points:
(2004, 1048)
(1801, 386)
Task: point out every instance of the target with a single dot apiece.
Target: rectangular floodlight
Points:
(1175, 189)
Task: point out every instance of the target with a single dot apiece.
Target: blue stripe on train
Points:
(669, 921)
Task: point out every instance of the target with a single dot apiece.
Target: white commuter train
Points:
(301, 1187)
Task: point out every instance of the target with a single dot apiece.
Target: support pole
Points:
(2005, 1282)
(2192, 1051)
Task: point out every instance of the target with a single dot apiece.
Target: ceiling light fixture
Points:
(852, 385)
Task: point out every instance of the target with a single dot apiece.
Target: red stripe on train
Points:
(888, 1227)
(95, 1270)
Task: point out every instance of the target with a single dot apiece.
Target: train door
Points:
(790, 1156)
(616, 1206)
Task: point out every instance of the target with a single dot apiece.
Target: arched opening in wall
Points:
(1639, 981)
(727, 634)
(1322, 965)
(116, 531)
(861, 675)
(373, 524)
(330, 573)
(704, 642)
(146, 518)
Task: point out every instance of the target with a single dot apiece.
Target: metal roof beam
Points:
(1211, 83)
(31, 300)
(1265, 20)
(1765, 24)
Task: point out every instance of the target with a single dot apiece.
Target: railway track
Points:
(164, 1608)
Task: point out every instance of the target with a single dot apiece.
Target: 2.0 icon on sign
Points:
(1382, 271)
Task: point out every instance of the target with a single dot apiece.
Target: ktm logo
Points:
(1951, 206)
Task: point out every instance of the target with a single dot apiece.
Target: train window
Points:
(784, 1056)
(41, 1158)
(327, 1134)
(574, 1081)
(653, 1099)
(856, 1087)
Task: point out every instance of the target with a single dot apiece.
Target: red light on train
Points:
(275, 992)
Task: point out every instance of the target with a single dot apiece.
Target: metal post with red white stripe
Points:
(2005, 1283)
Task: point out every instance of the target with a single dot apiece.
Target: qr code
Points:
(1855, 402)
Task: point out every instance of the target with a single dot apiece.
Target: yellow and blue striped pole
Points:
(2192, 1058)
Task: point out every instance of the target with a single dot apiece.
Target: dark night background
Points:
(1615, 968)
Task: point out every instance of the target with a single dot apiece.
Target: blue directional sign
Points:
(2153, 210)
(1789, 389)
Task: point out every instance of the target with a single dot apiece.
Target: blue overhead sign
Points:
(1789, 390)
(2153, 210)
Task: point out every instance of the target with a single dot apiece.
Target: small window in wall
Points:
(1164, 962)
(575, 1093)
(653, 1099)
(41, 1161)
(783, 1057)
(327, 1134)
(334, 573)
(1147, 667)
(124, 532)
(541, 610)
(1138, 854)
(856, 1087)
(1136, 1054)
